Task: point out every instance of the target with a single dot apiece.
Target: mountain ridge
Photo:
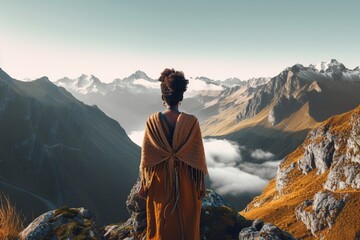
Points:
(62, 150)
(296, 100)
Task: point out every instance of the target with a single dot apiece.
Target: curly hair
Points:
(173, 85)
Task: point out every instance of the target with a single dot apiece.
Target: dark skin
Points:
(172, 115)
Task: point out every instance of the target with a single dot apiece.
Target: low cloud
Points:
(233, 181)
(261, 154)
(147, 84)
(266, 170)
(196, 86)
(230, 174)
(137, 137)
(221, 153)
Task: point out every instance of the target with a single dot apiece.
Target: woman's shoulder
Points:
(188, 115)
(152, 116)
(189, 119)
(184, 115)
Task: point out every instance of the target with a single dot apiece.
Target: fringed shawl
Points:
(187, 148)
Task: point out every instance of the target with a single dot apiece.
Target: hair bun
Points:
(174, 80)
(173, 85)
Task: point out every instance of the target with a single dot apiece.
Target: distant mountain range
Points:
(55, 151)
(130, 100)
(316, 192)
(276, 116)
(273, 114)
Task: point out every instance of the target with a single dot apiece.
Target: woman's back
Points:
(173, 166)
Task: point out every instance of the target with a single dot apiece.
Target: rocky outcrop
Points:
(282, 177)
(261, 230)
(321, 212)
(327, 148)
(218, 220)
(213, 199)
(353, 143)
(64, 223)
(319, 152)
(136, 224)
(318, 184)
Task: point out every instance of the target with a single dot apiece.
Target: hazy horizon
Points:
(214, 39)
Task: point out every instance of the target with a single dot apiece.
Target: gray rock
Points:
(324, 211)
(281, 177)
(249, 233)
(343, 174)
(346, 170)
(319, 152)
(267, 231)
(137, 208)
(353, 143)
(64, 223)
(213, 199)
(258, 224)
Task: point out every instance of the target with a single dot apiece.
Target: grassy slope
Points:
(280, 210)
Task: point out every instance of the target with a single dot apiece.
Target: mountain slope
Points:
(316, 192)
(290, 104)
(55, 150)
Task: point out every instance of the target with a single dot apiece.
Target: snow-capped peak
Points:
(84, 84)
(332, 64)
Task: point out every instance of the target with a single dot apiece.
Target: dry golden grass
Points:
(280, 209)
(11, 222)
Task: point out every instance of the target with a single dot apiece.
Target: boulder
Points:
(321, 212)
(319, 152)
(281, 176)
(260, 230)
(64, 223)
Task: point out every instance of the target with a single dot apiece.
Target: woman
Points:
(173, 166)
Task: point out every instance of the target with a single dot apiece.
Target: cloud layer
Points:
(229, 172)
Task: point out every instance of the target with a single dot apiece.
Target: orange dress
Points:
(172, 216)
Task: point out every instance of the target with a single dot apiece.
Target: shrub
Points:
(11, 221)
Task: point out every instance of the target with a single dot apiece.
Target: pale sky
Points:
(216, 39)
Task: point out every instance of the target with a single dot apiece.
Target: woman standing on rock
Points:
(173, 166)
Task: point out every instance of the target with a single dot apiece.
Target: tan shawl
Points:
(187, 148)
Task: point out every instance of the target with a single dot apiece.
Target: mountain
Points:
(55, 151)
(316, 192)
(132, 99)
(84, 84)
(277, 115)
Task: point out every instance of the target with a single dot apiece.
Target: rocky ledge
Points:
(218, 221)
(64, 223)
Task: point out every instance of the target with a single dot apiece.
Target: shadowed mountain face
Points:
(316, 192)
(55, 151)
(286, 107)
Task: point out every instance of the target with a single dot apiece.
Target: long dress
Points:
(173, 216)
